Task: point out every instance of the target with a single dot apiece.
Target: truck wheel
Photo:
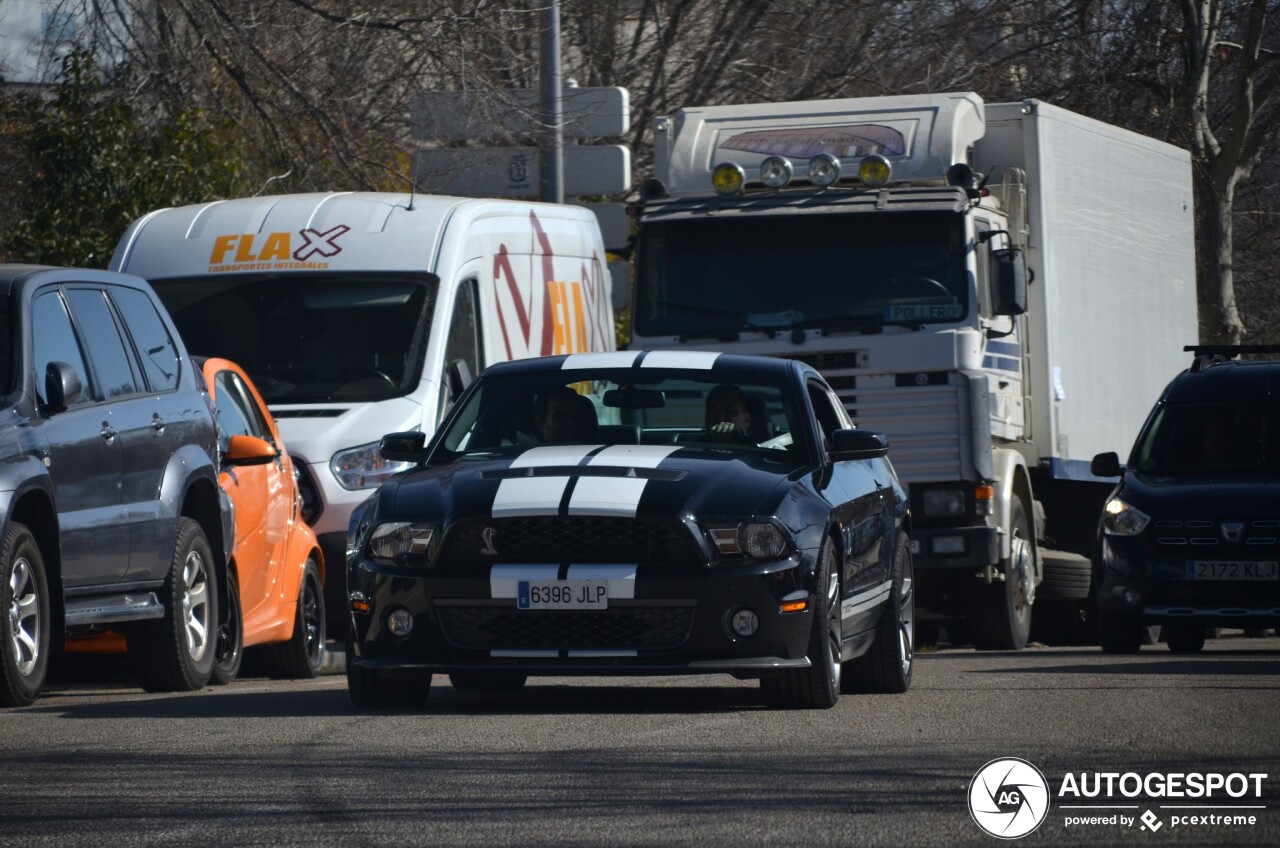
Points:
(818, 686)
(1119, 634)
(888, 663)
(24, 604)
(229, 650)
(1001, 614)
(375, 689)
(302, 656)
(1184, 638)
(176, 653)
(487, 681)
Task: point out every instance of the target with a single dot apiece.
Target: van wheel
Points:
(302, 656)
(230, 644)
(176, 653)
(24, 596)
(1001, 615)
(888, 663)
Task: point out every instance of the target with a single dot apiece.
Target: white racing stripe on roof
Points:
(617, 496)
(612, 359)
(504, 580)
(864, 601)
(693, 360)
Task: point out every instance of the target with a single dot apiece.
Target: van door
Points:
(463, 341)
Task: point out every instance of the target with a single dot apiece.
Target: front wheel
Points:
(1184, 638)
(230, 644)
(176, 653)
(302, 656)
(888, 664)
(372, 688)
(1001, 612)
(1119, 634)
(818, 686)
(24, 594)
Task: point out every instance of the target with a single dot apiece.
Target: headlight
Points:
(363, 467)
(400, 540)
(943, 503)
(757, 539)
(1121, 519)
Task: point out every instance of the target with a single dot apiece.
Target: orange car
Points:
(277, 572)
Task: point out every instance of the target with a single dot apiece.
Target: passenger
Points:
(563, 415)
(1216, 443)
(727, 415)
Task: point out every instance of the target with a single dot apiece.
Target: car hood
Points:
(1202, 496)
(628, 481)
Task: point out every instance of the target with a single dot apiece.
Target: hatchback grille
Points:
(618, 628)
(566, 539)
(1254, 536)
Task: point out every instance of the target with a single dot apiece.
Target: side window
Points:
(156, 350)
(982, 255)
(236, 416)
(826, 411)
(54, 340)
(464, 331)
(116, 374)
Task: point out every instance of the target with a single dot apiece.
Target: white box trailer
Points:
(1002, 289)
(360, 314)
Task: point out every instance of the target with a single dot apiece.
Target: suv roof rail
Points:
(1206, 355)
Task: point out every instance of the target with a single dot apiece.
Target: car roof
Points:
(14, 275)
(1213, 377)
(741, 367)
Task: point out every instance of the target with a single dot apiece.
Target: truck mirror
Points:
(1011, 281)
(61, 386)
(403, 447)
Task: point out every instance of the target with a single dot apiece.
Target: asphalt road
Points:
(665, 761)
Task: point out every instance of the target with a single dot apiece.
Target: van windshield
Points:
(1221, 438)
(310, 338)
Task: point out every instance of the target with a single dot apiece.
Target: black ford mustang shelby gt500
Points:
(657, 512)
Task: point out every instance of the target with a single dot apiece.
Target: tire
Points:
(818, 686)
(374, 689)
(1001, 613)
(303, 655)
(487, 681)
(229, 652)
(1120, 634)
(1184, 638)
(888, 664)
(24, 618)
(176, 653)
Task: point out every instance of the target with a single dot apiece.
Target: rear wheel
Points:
(818, 686)
(487, 681)
(230, 645)
(1184, 638)
(1001, 615)
(302, 656)
(888, 663)
(176, 653)
(24, 598)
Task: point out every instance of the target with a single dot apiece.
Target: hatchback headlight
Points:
(400, 540)
(363, 467)
(1121, 519)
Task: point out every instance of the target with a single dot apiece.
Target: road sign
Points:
(513, 171)
(594, 112)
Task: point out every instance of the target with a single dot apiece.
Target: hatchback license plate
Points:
(1230, 570)
(563, 594)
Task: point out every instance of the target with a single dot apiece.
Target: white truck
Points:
(1001, 288)
(363, 313)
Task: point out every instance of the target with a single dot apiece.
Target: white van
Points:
(359, 314)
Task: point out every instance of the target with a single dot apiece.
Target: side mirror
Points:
(1106, 465)
(61, 386)
(248, 450)
(403, 447)
(459, 376)
(1010, 269)
(858, 444)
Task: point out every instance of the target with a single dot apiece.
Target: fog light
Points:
(775, 172)
(400, 622)
(1132, 597)
(727, 178)
(875, 170)
(947, 546)
(824, 170)
(745, 622)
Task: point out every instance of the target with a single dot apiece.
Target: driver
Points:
(727, 414)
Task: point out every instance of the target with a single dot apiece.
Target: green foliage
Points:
(92, 156)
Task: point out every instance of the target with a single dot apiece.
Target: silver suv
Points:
(111, 516)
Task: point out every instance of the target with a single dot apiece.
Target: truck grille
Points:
(618, 628)
(568, 539)
(921, 423)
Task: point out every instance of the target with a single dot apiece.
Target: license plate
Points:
(1229, 570)
(563, 594)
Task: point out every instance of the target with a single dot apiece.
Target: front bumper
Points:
(1156, 589)
(979, 545)
(676, 622)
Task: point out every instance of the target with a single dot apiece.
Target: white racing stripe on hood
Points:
(692, 360)
(617, 496)
(538, 495)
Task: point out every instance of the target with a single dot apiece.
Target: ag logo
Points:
(1008, 798)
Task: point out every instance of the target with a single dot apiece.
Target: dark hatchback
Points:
(650, 541)
(1190, 538)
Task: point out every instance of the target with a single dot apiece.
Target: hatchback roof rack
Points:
(1206, 355)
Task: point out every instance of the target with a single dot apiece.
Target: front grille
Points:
(1252, 540)
(568, 539)
(618, 628)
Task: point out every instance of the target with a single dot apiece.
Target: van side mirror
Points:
(858, 444)
(1010, 291)
(1106, 465)
(460, 377)
(248, 450)
(61, 386)
(403, 447)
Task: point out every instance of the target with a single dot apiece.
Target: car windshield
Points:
(309, 337)
(1218, 438)
(509, 413)
(719, 277)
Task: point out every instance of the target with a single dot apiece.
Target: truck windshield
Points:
(718, 277)
(1217, 438)
(309, 338)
